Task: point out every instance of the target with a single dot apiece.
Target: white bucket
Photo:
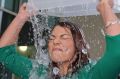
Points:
(65, 8)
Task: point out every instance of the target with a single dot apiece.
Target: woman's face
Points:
(61, 45)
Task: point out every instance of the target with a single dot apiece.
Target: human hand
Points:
(105, 2)
(23, 14)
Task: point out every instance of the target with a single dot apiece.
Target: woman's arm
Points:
(11, 34)
(109, 17)
(108, 67)
(14, 62)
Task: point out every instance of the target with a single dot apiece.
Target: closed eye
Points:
(51, 37)
(66, 36)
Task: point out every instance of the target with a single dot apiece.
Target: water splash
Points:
(41, 31)
(90, 33)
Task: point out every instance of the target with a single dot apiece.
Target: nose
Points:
(56, 41)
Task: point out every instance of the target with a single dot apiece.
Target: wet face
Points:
(61, 45)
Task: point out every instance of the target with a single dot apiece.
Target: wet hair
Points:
(81, 58)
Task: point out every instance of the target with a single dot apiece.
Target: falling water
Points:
(93, 33)
(91, 27)
(41, 31)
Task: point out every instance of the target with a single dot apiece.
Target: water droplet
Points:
(55, 70)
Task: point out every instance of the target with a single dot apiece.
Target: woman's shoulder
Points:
(38, 70)
(7, 49)
(111, 37)
(87, 67)
(84, 71)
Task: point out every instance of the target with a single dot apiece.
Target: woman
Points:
(65, 46)
(67, 54)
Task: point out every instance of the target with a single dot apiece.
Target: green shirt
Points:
(108, 67)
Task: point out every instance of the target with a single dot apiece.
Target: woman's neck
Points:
(63, 68)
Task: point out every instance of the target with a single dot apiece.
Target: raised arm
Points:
(108, 67)
(110, 19)
(11, 34)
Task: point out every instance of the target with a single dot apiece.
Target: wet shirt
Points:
(108, 67)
